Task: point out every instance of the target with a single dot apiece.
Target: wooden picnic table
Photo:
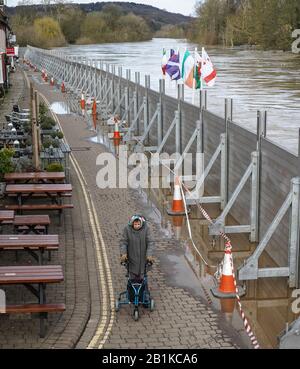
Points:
(35, 279)
(54, 191)
(31, 223)
(30, 243)
(40, 177)
(6, 216)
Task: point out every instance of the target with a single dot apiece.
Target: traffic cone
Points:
(63, 88)
(177, 226)
(52, 81)
(117, 134)
(227, 288)
(82, 104)
(227, 308)
(94, 107)
(177, 204)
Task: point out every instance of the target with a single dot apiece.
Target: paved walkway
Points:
(182, 319)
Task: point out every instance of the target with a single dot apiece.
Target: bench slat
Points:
(35, 308)
(39, 207)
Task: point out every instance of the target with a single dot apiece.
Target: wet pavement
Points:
(180, 276)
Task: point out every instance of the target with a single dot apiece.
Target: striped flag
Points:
(173, 67)
(209, 73)
(188, 65)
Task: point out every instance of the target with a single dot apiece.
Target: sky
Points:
(175, 6)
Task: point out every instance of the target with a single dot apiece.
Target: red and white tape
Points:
(228, 247)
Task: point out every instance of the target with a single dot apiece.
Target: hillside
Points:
(155, 18)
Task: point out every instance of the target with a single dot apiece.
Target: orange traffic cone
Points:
(227, 308)
(177, 226)
(94, 107)
(52, 81)
(227, 287)
(177, 204)
(63, 88)
(82, 104)
(117, 134)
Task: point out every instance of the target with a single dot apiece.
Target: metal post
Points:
(254, 212)
(294, 234)
(177, 138)
(201, 138)
(120, 74)
(146, 109)
(113, 88)
(224, 172)
(136, 101)
(159, 125)
(162, 92)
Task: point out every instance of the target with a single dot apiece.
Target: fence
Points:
(251, 178)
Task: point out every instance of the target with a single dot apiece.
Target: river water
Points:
(256, 80)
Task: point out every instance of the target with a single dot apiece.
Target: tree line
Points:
(267, 24)
(62, 24)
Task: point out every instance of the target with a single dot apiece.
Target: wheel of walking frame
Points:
(136, 315)
(152, 304)
(117, 306)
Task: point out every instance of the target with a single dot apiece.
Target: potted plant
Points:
(6, 166)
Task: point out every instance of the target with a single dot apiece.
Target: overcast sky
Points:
(176, 6)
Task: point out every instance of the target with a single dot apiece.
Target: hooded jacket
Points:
(137, 245)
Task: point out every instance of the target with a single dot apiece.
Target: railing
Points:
(250, 177)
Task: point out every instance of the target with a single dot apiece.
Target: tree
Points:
(48, 33)
(71, 23)
(94, 28)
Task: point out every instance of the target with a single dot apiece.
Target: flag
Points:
(188, 65)
(197, 71)
(209, 73)
(164, 62)
(173, 67)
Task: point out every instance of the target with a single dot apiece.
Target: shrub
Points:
(55, 167)
(58, 134)
(6, 162)
(50, 142)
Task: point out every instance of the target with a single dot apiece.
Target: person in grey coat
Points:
(137, 246)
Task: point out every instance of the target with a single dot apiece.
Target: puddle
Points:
(60, 108)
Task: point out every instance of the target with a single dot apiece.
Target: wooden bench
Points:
(31, 223)
(40, 207)
(30, 243)
(33, 207)
(35, 308)
(30, 276)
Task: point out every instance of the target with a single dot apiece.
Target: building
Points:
(5, 34)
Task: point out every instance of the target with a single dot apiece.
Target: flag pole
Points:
(201, 77)
(194, 79)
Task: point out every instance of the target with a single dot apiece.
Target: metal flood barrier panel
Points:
(252, 179)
